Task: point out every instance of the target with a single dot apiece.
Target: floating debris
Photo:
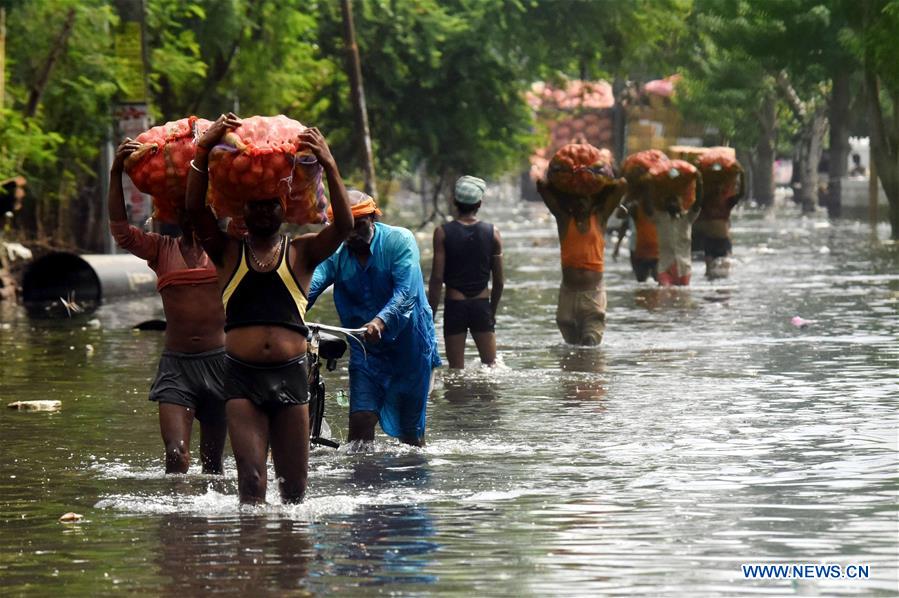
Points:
(71, 517)
(71, 305)
(801, 322)
(36, 405)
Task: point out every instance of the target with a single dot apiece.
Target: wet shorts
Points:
(643, 269)
(671, 277)
(581, 315)
(192, 380)
(462, 315)
(716, 247)
(268, 386)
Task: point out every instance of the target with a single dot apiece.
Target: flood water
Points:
(705, 433)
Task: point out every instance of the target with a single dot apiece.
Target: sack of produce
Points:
(646, 173)
(581, 169)
(645, 166)
(684, 184)
(159, 168)
(720, 171)
(261, 160)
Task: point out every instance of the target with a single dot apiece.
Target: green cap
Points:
(470, 189)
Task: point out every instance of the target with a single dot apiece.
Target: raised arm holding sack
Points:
(263, 279)
(188, 382)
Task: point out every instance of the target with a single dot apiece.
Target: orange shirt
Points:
(647, 246)
(163, 256)
(583, 250)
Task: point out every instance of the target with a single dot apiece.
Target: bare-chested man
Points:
(188, 383)
(263, 278)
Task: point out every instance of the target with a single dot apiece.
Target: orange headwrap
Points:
(360, 204)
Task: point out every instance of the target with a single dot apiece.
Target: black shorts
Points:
(717, 247)
(643, 269)
(268, 386)
(462, 315)
(192, 380)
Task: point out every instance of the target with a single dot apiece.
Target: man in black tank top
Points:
(467, 252)
(264, 278)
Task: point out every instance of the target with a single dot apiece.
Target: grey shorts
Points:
(192, 380)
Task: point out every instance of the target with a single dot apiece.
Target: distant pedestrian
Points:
(467, 253)
(857, 169)
(674, 225)
(581, 224)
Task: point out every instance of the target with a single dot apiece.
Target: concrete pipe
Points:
(60, 283)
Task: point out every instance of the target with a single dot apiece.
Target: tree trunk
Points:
(763, 163)
(619, 120)
(360, 112)
(37, 89)
(839, 140)
(810, 146)
(883, 152)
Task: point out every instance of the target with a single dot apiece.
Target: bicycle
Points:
(330, 348)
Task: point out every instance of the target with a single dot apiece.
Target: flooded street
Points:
(706, 432)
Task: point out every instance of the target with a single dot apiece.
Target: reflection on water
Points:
(242, 555)
(707, 431)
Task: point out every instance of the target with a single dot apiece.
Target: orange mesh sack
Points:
(684, 184)
(645, 166)
(581, 169)
(260, 160)
(159, 167)
(720, 171)
(646, 174)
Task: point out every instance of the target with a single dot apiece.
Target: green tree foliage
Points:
(875, 28)
(442, 92)
(589, 40)
(58, 109)
(259, 57)
(745, 51)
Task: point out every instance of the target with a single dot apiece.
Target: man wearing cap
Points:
(467, 251)
(378, 285)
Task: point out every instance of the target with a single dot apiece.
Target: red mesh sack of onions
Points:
(159, 167)
(720, 171)
(260, 160)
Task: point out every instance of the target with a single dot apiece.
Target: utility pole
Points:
(354, 69)
(131, 112)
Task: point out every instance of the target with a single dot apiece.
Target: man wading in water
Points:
(188, 383)
(263, 277)
(581, 222)
(466, 252)
(378, 285)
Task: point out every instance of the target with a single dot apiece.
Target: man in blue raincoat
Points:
(378, 285)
